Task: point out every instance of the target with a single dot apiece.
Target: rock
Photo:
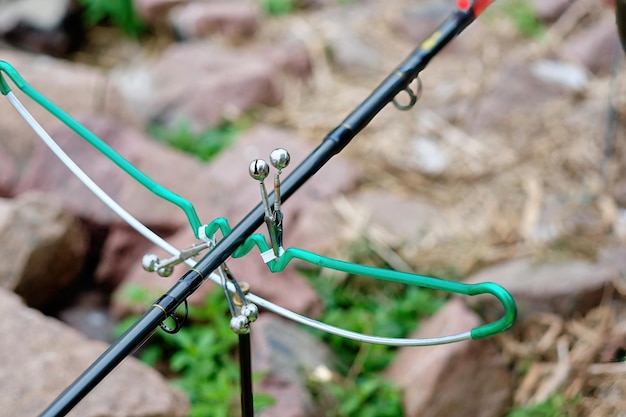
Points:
(419, 22)
(593, 47)
(550, 10)
(122, 249)
(155, 12)
(9, 175)
(515, 91)
(614, 259)
(43, 248)
(351, 53)
(562, 217)
(564, 289)
(90, 316)
(44, 14)
(291, 56)
(234, 20)
(431, 157)
(73, 87)
(52, 27)
(232, 82)
(287, 356)
(570, 76)
(399, 218)
(42, 356)
(460, 379)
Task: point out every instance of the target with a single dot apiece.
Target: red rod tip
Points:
(477, 6)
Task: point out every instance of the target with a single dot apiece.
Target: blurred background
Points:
(509, 169)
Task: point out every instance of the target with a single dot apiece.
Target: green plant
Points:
(374, 307)
(278, 7)
(524, 17)
(120, 13)
(370, 306)
(204, 145)
(368, 396)
(199, 358)
(555, 406)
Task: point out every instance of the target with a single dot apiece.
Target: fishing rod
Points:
(396, 83)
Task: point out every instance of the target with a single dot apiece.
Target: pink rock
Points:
(43, 247)
(564, 288)
(9, 174)
(202, 83)
(550, 10)
(155, 11)
(593, 47)
(460, 379)
(42, 356)
(231, 19)
(287, 355)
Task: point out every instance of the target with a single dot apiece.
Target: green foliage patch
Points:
(278, 7)
(204, 145)
(524, 17)
(555, 406)
(199, 359)
(120, 13)
(372, 307)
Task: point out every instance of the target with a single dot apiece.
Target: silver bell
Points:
(259, 169)
(280, 158)
(165, 271)
(149, 262)
(251, 311)
(240, 324)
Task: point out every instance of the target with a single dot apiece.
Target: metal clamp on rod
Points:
(259, 170)
(164, 267)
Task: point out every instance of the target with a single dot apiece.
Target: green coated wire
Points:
(279, 264)
(100, 145)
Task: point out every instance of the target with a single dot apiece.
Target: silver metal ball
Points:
(259, 169)
(280, 158)
(149, 262)
(251, 311)
(240, 324)
(165, 271)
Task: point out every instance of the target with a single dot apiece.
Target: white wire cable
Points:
(163, 244)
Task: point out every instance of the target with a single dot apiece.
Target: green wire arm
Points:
(279, 264)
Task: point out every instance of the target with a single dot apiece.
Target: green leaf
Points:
(121, 13)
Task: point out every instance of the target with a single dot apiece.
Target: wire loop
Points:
(179, 322)
(414, 97)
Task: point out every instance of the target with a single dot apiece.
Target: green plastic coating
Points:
(278, 265)
(97, 143)
(4, 87)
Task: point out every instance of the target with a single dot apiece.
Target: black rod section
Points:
(245, 376)
(332, 144)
